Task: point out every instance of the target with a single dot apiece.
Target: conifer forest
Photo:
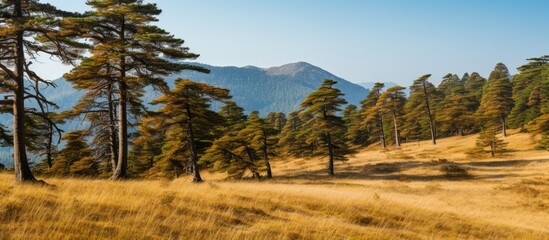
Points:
(462, 157)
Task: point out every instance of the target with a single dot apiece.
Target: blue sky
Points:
(361, 41)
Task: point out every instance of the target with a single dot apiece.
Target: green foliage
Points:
(356, 133)
(292, 140)
(456, 115)
(540, 125)
(526, 92)
(419, 109)
(488, 138)
(128, 52)
(76, 158)
(325, 127)
(497, 98)
(391, 105)
(372, 117)
(189, 127)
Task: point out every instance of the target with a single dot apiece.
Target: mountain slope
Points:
(275, 89)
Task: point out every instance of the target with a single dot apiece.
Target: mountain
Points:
(275, 89)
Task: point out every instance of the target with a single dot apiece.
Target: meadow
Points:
(418, 191)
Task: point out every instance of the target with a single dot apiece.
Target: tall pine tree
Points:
(28, 29)
(326, 125)
(136, 53)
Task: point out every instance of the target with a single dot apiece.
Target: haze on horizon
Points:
(360, 41)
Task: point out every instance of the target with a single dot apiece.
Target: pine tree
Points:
(540, 125)
(292, 140)
(261, 135)
(29, 29)
(526, 92)
(98, 106)
(497, 98)
(326, 125)
(356, 133)
(474, 86)
(234, 152)
(456, 116)
(76, 158)
(139, 52)
(147, 146)
(372, 115)
(419, 109)
(488, 138)
(189, 122)
(391, 103)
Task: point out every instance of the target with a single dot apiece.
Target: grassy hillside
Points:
(408, 193)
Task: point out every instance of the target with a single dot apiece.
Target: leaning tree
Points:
(29, 28)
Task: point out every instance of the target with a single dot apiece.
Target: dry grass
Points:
(393, 194)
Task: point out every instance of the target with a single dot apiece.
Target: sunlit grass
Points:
(407, 198)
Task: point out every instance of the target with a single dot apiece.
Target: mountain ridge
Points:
(273, 89)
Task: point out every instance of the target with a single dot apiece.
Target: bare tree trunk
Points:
(492, 148)
(382, 132)
(266, 155)
(21, 166)
(190, 137)
(49, 146)
(112, 129)
(331, 154)
(121, 167)
(504, 125)
(431, 122)
(397, 139)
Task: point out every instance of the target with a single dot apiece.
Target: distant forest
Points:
(118, 51)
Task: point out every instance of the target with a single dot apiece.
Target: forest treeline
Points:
(118, 51)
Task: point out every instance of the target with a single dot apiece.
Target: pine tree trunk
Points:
(397, 139)
(49, 146)
(492, 148)
(382, 132)
(431, 122)
(504, 125)
(266, 155)
(121, 167)
(331, 154)
(112, 129)
(253, 168)
(21, 166)
(192, 147)
(122, 163)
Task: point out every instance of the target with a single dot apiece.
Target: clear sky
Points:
(359, 40)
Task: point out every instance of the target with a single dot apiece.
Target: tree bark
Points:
(504, 127)
(397, 139)
(112, 129)
(21, 166)
(431, 122)
(382, 132)
(121, 168)
(331, 154)
(266, 155)
(192, 147)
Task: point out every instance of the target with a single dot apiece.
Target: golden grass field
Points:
(391, 194)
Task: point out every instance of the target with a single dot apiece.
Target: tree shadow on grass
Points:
(393, 171)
